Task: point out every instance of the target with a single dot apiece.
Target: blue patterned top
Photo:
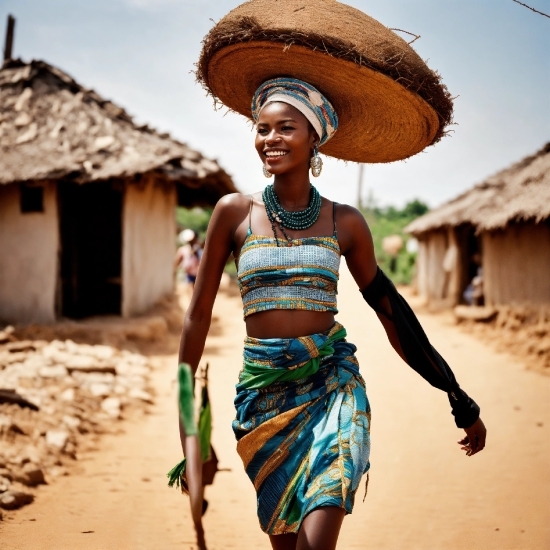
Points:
(302, 275)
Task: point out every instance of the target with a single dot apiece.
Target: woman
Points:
(303, 416)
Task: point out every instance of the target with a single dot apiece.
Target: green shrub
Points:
(193, 218)
(391, 221)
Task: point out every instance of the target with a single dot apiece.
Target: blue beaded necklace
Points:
(302, 219)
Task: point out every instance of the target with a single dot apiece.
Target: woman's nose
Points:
(272, 137)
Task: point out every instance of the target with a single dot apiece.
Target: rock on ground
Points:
(72, 393)
(11, 500)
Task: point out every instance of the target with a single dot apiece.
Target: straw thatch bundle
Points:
(52, 128)
(333, 29)
(518, 193)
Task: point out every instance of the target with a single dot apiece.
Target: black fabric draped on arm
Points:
(420, 354)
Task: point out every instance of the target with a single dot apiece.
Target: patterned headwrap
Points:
(304, 97)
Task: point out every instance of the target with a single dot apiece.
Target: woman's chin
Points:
(280, 169)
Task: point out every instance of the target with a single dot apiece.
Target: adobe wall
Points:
(516, 265)
(432, 281)
(148, 245)
(29, 245)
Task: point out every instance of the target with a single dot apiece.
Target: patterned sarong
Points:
(302, 425)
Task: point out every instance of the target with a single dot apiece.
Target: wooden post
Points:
(9, 38)
(360, 187)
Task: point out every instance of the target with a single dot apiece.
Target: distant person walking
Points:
(188, 256)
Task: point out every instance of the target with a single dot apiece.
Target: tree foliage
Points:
(387, 221)
(194, 218)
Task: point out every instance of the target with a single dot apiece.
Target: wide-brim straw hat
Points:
(390, 105)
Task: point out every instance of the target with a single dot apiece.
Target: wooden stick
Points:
(196, 489)
(532, 9)
(9, 37)
(416, 36)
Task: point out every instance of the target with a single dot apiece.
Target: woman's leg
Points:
(320, 529)
(283, 542)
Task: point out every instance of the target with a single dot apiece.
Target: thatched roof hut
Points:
(87, 199)
(53, 128)
(515, 194)
(501, 223)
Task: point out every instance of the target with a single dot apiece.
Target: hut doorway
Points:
(470, 261)
(91, 249)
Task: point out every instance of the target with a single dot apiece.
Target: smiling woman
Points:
(302, 413)
(299, 100)
(284, 137)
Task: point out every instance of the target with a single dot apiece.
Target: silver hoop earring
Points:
(266, 172)
(316, 163)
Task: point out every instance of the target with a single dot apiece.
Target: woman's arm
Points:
(358, 249)
(228, 214)
(402, 328)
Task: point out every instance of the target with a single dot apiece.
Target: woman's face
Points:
(284, 138)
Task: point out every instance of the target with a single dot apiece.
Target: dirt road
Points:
(423, 494)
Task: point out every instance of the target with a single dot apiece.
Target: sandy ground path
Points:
(423, 494)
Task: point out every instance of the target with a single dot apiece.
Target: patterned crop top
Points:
(300, 275)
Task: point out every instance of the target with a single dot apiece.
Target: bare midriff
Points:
(282, 323)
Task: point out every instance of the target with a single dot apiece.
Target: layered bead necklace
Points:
(300, 220)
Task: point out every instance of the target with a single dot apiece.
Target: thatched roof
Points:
(53, 128)
(518, 193)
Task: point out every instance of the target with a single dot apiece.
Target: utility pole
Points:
(360, 187)
(9, 38)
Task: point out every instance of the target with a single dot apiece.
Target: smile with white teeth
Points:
(271, 154)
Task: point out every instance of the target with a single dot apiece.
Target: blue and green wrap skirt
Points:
(302, 425)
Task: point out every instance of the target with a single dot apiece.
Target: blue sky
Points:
(492, 54)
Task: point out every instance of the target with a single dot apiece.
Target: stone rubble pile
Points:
(55, 399)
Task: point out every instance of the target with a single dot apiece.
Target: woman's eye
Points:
(262, 131)
(285, 128)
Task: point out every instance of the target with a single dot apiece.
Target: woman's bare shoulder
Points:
(354, 234)
(349, 216)
(233, 201)
(232, 208)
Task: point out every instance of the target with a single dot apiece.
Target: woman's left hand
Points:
(475, 438)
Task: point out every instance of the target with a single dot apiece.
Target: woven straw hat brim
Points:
(379, 120)
(389, 103)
